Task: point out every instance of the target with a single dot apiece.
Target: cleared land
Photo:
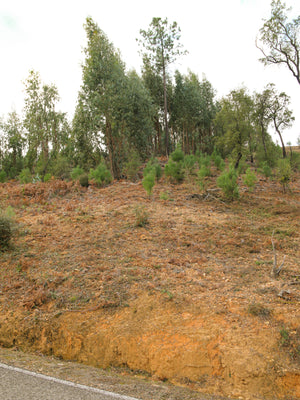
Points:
(188, 297)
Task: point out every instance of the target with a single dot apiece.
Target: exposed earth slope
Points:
(187, 297)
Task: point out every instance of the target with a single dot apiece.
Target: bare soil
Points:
(186, 298)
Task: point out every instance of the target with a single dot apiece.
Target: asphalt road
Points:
(20, 384)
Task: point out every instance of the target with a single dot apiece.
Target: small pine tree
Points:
(149, 182)
(174, 170)
(189, 162)
(227, 181)
(76, 173)
(25, 176)
(284, 172)
(178, 154)
(101, 175)
(265, 169)
(250, 179)
(203, 172)
(219, 162)
(153, 163)
(141, 216)
(131, 167)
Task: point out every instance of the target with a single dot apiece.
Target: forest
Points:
(122, 119)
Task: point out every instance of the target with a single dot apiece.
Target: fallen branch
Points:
(276, 270)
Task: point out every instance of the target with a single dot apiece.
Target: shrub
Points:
(164, 196)
(219, 162)
(153, 164)
(76, 173)
(250, 179)
(274, 153)
(84, 180)
(284, 172)
(189, 162)
(203, 172)
(141, 216)
(265, 169)
(259, 310)
(227, 181)
(131, 167)
(5, 231)
(204, 160)
(295, 161)
(25, 176)
(101, 175)
(149, 181)
(61, 168)
(47, 177)
(174, 170)
(3, 176)
(178, 154)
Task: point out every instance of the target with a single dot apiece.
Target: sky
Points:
(219, 36)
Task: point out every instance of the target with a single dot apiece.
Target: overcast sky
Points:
(218, 34)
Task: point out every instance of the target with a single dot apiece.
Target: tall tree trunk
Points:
(282, 144)
(158, 136)
(240, 155)
(167, 145)
(263, 138)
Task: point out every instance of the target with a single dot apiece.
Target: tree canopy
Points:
(279, 39)
(122, 116)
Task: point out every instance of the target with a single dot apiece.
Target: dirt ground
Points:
(176, 287)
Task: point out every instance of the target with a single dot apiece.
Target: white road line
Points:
(67, 383)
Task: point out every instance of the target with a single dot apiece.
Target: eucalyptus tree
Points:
(281, 116)
(86, 143)
(103, 75)
(262, 115)
(208, 110)
(153, 82)
(138, 112)
(46, 129)
(161, 48)
(114, 110)
(186, 110)
(12, 145)
(234, 125)
(192, 112)
(279, 39)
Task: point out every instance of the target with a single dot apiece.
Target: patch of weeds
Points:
(259, 310)
(263, 262)
(73, 299)
(141, 216)
(164, 196)
(158, 266)
(284, 232)
(250, 179)
(290, 340)
(168, 293)
(19, 268)
(284, 337)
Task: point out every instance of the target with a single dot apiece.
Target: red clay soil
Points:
(187, 297)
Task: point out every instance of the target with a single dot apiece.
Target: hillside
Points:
(186, 297)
